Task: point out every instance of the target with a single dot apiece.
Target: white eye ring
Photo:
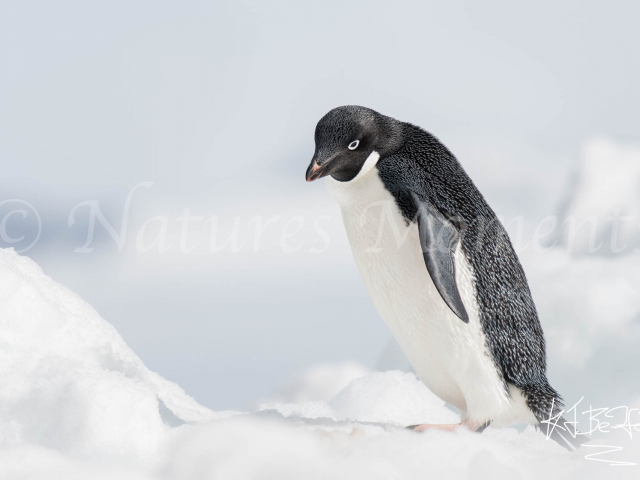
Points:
(353, 145)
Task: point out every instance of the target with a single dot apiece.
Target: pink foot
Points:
(445, 426)
(435, 426)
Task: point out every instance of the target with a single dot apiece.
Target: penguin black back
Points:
(508, 315)
(430, 187)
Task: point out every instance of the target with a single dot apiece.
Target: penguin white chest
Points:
(448, 355)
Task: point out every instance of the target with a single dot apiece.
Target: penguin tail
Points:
(546, 405)
(564, 433)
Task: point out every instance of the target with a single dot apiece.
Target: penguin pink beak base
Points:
(315, 171)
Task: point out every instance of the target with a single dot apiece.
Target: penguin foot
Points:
(447, 426)
(434, 426)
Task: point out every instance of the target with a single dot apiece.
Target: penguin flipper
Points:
(439, 239)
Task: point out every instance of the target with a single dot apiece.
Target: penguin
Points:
(440, 270)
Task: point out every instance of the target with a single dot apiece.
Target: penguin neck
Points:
(368, 165)
(392, 135)
(363, 190)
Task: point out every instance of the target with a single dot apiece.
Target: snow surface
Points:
(69, 380)
(320, 382)
(77, 403)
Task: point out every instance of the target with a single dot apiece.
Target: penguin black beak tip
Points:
(314, 171)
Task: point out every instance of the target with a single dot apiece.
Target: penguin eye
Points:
(353, 145)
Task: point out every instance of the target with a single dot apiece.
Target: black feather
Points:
(508, 316)
(414, 164)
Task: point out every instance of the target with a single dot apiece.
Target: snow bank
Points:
(247, 448)
(318, 383)
(76, 403)
(69, 380)
(392, 398)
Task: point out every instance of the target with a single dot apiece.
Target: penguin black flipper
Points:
(439, 239)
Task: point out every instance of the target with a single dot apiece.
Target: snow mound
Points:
(395, 397)
(77, 403)
(69, 380)
(606, 187)
(243, 447)
(319, 383)
(392, 398)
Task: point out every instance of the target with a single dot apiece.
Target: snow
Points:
(69, 380)
(395, 398)
(319, 383)
(392, 398)
(280, 450)
(77, 403)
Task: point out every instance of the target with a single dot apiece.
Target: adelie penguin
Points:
(440, 270)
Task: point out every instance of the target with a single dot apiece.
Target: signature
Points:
(601, 420)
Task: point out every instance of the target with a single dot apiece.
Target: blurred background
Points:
(163, 147)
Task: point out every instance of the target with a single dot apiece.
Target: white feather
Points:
(448, 355)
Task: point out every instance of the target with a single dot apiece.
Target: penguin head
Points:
(346, 137)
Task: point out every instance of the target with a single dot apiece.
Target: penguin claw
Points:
(435, 426)
(448, 426)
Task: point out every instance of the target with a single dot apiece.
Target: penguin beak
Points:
(315, 171)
